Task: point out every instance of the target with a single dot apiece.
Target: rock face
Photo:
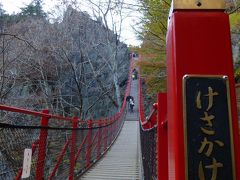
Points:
(76, 65)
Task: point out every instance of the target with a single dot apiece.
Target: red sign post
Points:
(203, 140)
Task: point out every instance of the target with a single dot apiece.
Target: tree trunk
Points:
(117, 90)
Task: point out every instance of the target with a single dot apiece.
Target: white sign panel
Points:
(27, 163)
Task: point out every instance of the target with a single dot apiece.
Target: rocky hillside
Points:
(76, 66)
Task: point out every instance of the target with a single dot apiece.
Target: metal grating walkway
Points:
(122, 161)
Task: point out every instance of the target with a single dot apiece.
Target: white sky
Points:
(128, 35)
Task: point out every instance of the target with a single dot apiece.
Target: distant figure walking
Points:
(130, 99)
(134, 74)
(131, 103)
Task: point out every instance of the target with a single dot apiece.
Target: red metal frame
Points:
(81, 146)
(73, 148)
(162, 141)
(151, 120)
(42, 148)
(92, 147)
(105, 135)
(33, 113)
(111, 132)
(59, 159)
(99, 141)
(89, 144)
(198, 42)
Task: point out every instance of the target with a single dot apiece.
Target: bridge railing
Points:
(148, 136)
(61, 147)
(65, 149)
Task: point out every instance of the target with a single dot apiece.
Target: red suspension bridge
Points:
(61, 152)
(191, 132)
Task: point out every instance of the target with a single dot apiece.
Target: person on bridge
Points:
(131, 103)
(128, 100)
(134, 74)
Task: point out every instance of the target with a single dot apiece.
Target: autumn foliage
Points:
(153, 72)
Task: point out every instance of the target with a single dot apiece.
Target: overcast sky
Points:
(128, 35)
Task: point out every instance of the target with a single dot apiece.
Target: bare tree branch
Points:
(15, 36)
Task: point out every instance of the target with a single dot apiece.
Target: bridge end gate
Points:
(203, 138)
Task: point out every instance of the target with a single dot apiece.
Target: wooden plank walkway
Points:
(123, 160)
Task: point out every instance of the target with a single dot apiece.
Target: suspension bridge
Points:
(72, 151)
(190, 133)
(123, 161)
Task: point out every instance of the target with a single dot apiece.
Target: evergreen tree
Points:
(34, 9)
(2, 11)
(3, 17)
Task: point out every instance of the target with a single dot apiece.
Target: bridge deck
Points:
(122, 161)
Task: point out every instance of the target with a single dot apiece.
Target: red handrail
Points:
(110, 128)
(149, 122)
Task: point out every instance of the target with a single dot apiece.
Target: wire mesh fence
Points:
(148, 136)
(60, 150)
(12, 145)
(148, 147)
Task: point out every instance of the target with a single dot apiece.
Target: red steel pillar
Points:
(89, 145)
(203, 141)
(73, 148)
(42, 147)
(106, 129)
(162, 145)
(99, 139)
